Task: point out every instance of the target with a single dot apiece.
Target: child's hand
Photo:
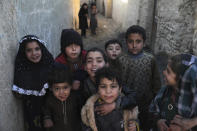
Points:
(76, 85)
(48, 123)
(132, 126)
(161, 124)
(174, 127)
(186, 124)
(104, 109)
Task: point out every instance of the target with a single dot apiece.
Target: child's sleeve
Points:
(128, 101)
(156, 81)
(86, 128)
(47, 110)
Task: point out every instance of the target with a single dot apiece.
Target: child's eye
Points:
(138, 41)
(28, 50)
(118, 49)
(89, 61)
(102, 86)
(130, 41)
(56, 89)
(65, 87)
(37, 48)
(114, 86)
(110, 48)
(99, 61)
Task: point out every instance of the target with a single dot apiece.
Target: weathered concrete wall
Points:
(194, 46)
(46, 19)
(119, 11)
(10, 108)
(134, 12)
(76, 8)
(108, 8)
(100, 6)
(175, 26)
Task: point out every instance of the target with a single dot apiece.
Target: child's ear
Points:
(85, 68)
(107, 64)
(120, 90)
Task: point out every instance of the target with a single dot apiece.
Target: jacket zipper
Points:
(64, 112)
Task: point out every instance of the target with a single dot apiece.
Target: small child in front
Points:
(109, 88)
(61, 109)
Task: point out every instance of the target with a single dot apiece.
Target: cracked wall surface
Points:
(176, 26)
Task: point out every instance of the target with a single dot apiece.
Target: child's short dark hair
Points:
(95, 49)
(136, 29)
(109, 73)
(113, 41)
(177, 65)
(59, 74)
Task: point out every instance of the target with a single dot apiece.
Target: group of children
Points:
(92, 91)
(83, 19)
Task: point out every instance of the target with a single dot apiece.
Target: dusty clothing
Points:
(74, 66)
(163, 107)
(65, 115)
(93, 23)
(83, 22)
(90, 119)
(141, 74)
(89, 88)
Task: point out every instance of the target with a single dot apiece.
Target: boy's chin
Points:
(62, 99)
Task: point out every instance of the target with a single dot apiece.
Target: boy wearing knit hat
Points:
(72, 53)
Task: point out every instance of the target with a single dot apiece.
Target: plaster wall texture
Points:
(119, 11)
(10, 108)
(100, 6)
(176, 30)
(44, 18)
(76, 8)
(108, 8)
(194, 45)
(135, 12)
(84, 1)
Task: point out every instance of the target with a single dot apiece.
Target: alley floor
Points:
(107, 29)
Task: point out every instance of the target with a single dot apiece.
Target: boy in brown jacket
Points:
(61, 111)
(109, 88)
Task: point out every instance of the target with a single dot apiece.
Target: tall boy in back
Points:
(139, 71)
(61, 111)
(108, 84)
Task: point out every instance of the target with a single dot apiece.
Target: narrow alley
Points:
(107, 29)
(171, 28)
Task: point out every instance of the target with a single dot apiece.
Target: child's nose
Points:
(73, 48)
(108, 90)
(134, 44)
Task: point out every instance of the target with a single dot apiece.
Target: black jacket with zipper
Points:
(65, 115)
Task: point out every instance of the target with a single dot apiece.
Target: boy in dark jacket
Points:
(61, 109)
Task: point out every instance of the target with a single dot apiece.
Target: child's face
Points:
(61, 90)
(33, 52)
(113, 50)
(73, 51)
(94, 61)
(135, 43)
(169, 76)
(94, 7)
(85, 6)
(108, 90)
